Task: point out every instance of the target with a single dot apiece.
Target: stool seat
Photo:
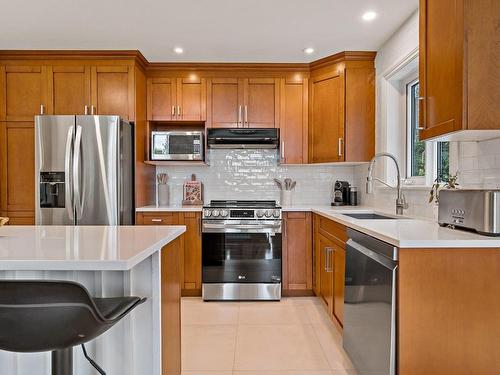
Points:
(113, 308)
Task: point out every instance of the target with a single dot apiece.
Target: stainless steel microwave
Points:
(177, 145)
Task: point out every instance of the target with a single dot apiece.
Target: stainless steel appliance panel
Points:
(241, 292)
(369, 335)
(54, 138)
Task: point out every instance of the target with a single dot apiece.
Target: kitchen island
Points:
(109, 261)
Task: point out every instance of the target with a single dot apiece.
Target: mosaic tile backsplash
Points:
(249, 174)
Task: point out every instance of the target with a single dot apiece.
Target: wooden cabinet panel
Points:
(191, 99)
(293, 121)
(110, 90)
(297, 251)
(261, 103)
(441, 69)
(17, 166)
(225, 101)
(69, 88)
(327, 127)
(191, 261)
(338, 282)
(157, 218)
(23, 90)
(326, 272)
(161, 99)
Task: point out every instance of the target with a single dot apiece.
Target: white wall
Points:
(477, 163)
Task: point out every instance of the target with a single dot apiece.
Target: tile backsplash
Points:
(249, 174)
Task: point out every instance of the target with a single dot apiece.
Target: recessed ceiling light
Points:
(308, 50)
(179, 50)
(369, 16)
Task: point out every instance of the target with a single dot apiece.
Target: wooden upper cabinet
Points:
(17, 166)
(23, 92)
(458, 69)
(261, 103)
(191, 99)
(224, 103)
(297, 248)
(112, 88)
(293, 121)
(161, 99)
(69, 88)
(177, 99)
(327, 118)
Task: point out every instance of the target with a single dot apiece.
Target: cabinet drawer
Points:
(163, 218)
(332, 229)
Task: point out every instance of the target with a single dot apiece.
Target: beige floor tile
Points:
(208, 347)
(303, 301)
(278, 347)
(262, 314)
(207, 373)
(296, 372)
(209, 313)
(317, 314)
(331, 343)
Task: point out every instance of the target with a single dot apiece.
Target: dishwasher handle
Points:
(379, 258)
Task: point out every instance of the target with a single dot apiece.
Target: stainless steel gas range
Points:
(241, 250)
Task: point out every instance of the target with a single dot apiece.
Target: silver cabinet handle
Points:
(86, 110)
(156, 220)
(67, 174)
(42, 109)
(239, 116)
(76, 173)
(340, 146)
(329, 252)
(285, 232)
(326, 259)
(178, 111)
(246, 115)
(173, 111)
(283, 150)
(92, 110)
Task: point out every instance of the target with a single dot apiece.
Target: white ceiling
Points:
(208, 30)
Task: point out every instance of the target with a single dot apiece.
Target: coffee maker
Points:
(340, 193)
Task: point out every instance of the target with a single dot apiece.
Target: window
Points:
(418, 168)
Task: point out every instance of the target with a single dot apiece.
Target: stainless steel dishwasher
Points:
(370, 304)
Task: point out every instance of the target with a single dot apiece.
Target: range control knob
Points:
(276, 213)
(224, 213)
(260, 213)
(207, 213)
(215, 213)
(269, 213)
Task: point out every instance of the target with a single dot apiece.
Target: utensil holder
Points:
(162, 192)
(286, 198)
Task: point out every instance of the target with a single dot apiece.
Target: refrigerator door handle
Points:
(76, 173)
(67, 175)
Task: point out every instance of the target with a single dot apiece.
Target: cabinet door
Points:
(338, 282)
(225, 102)
(192, 253)
(157, 218)
(441, 66)
(23, 92)
(327, 118)
(17, 167)
(191, 99)
(161, 99)
(110, 90)
(293, 121)
(69, 88)
(261, 109)
(298, 249)
(326, 278)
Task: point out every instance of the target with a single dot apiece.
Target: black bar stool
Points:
(43, 315)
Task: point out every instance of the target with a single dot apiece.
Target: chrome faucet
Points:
(400, 200)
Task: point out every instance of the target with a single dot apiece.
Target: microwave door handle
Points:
(68, 191)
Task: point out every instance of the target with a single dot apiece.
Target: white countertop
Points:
(404, 233)
(169, 208)
(88, 248)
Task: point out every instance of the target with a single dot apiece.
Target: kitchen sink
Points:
(372, 216)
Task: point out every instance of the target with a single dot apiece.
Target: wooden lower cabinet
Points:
(329, 265)
(171, 307)
(297, 253)
(190, 242)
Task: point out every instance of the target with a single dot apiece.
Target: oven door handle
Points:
(243, 227)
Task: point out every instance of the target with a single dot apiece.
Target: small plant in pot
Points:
(452, 183)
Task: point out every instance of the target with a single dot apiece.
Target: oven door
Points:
(241, 251)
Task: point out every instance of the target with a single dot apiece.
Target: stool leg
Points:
(62, 362)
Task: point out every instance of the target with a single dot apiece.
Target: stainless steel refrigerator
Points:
(84, 170)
